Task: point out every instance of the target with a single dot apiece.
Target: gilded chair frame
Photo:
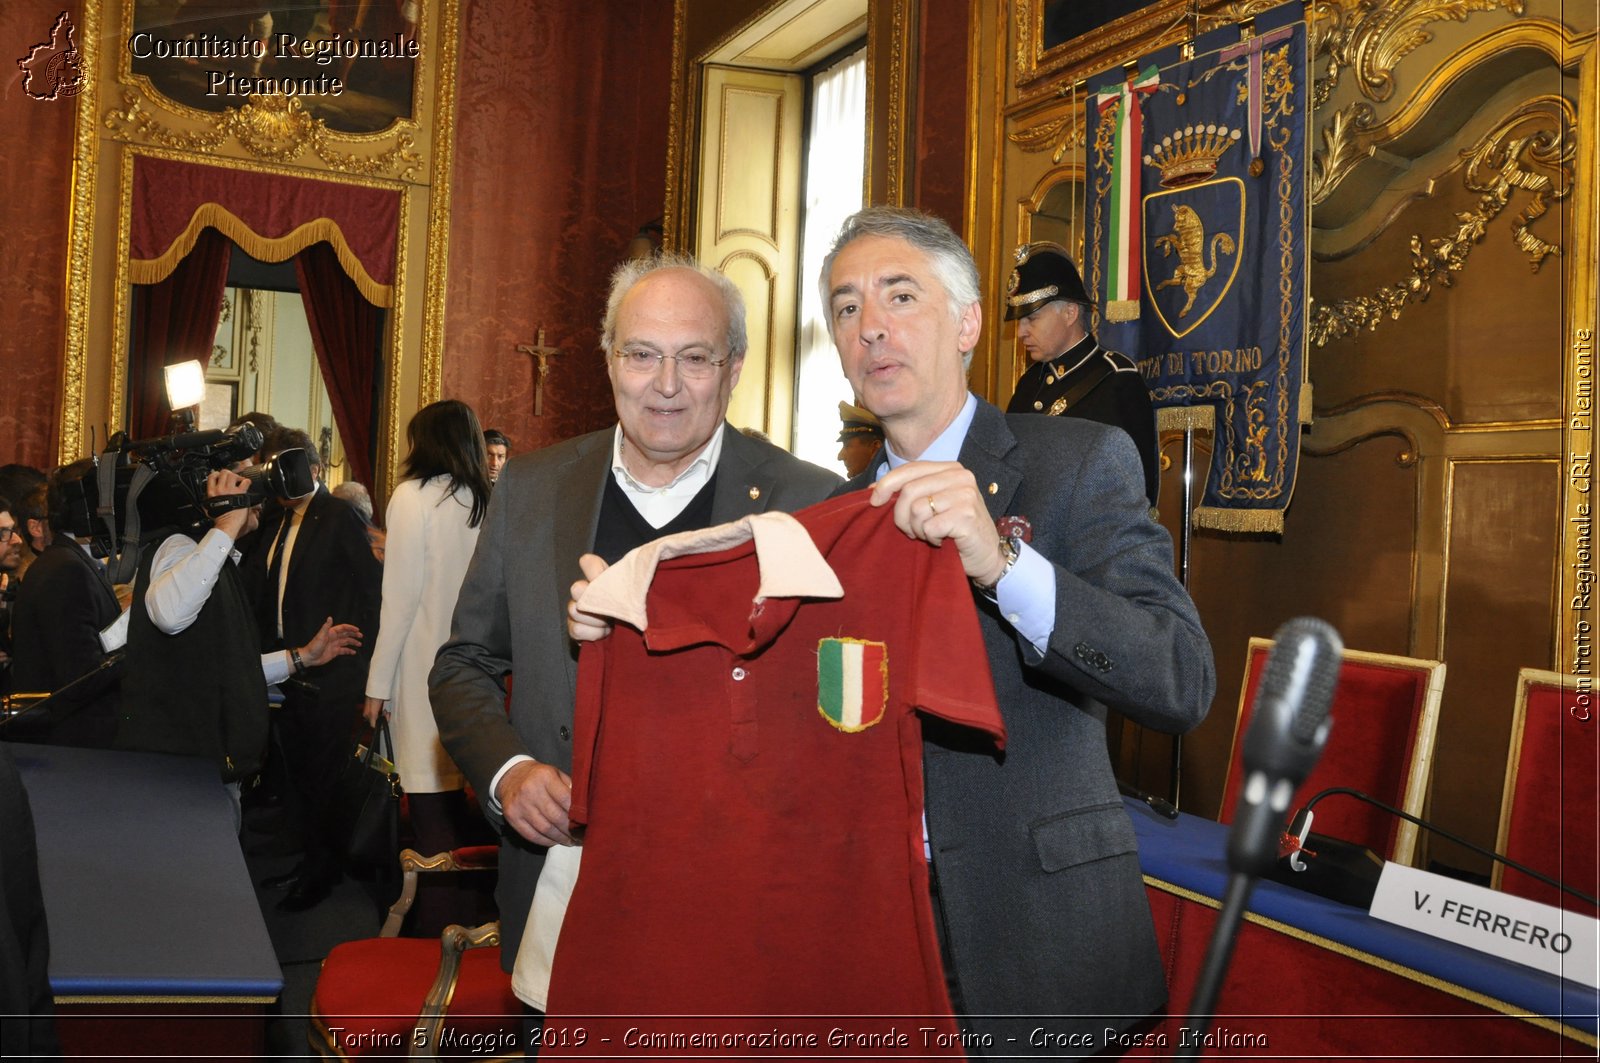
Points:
(1527, 678)
(1431, 675)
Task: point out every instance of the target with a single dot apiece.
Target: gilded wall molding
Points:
(894, 166)
(675, 135)
(273, 128)
(1371, 37)
(1355, 132)
(1343, 150)
(429, 385)
(80, 243)
(270, 127)
(1533, 150)
(1059, 135)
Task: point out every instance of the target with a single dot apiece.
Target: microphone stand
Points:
(40, 701)
(1218, 955)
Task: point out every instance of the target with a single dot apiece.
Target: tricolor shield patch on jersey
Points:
(852, 682)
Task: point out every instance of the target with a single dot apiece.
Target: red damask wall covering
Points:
(35, 183)
(560, 156)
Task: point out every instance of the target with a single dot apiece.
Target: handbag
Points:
(368, 804)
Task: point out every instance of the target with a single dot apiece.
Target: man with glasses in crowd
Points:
(674, 340)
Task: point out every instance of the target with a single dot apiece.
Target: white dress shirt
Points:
(181, 577)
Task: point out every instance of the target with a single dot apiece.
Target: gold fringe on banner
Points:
(1122, 310)
(1239, 520)
(1179, 418)
(1305, 403)
(267, 249)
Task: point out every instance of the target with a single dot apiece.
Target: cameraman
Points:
(194, 684)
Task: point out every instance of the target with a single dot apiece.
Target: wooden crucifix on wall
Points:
(543, 354)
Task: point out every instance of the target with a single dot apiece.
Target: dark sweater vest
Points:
(200, 692)
(622, 527)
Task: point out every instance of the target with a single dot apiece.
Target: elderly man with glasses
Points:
(674, 341)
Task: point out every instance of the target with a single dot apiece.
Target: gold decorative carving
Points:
(273, 127)
(390, 428)
(1063, 134)
(1534, 150)
(1342, 150)
(430, 385)
(80, 243)
(1026, 14)
(894, 175)
(675, 133)
(1131, 35)
(1372, 36)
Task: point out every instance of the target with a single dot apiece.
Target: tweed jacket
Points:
(1035, 858)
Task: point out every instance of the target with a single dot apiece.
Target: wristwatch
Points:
(1014, 531)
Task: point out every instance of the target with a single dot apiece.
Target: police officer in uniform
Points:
(1071, 374)
(859, 438)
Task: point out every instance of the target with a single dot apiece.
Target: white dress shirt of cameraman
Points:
(184, 570)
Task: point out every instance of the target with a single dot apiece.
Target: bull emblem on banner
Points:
(1195, 240)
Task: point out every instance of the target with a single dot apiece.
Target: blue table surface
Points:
(1191, 852)
(145, 887)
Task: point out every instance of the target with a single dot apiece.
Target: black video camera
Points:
(160, 484)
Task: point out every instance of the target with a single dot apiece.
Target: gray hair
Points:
(952, 261)
(625, 276)
(355, 493)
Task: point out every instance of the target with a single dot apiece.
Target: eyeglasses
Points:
(695, 365)
(7, 533)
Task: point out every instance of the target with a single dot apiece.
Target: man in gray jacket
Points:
(1046, 934)
(674, 343)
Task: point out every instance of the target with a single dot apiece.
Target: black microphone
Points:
(1287, 732)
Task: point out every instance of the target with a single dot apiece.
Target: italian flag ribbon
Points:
(1122, 272)
(852, 682)
(1252, 49)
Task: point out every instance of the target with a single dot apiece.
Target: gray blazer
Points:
(1036, 862)
(511, 615)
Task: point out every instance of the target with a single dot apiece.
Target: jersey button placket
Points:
(741, 711)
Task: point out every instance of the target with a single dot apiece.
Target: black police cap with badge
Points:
(1044, 272)
(858, 422)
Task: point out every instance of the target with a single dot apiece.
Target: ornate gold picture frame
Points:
(122, 114)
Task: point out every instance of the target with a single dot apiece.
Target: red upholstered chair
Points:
(1385, 712)
(391, 996)
(1549, 810)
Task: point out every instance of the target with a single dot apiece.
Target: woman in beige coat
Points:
(433, 520)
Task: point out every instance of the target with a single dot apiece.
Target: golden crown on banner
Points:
(1191, 154)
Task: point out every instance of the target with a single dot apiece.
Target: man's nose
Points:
(873, 325)
(667, 379)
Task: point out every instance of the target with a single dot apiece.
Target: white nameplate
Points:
(1565, 944)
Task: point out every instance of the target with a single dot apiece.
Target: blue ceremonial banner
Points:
(1203, 285)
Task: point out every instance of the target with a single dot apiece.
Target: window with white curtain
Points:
(835, 169)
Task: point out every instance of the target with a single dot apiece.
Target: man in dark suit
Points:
(1037, 888)
(1072, 375)
(674, 338)
(61, 609)
(311, 561)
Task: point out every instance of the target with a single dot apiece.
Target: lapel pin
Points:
(755, 493)
(994, 488)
